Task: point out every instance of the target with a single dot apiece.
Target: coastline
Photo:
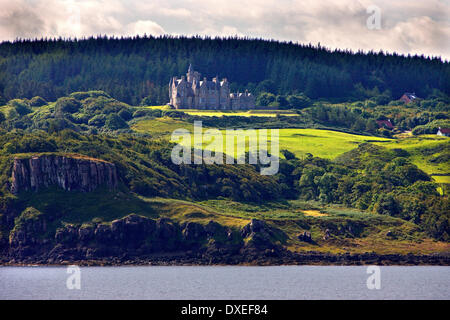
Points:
(316, 259)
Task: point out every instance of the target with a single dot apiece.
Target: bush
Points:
(265, 98)
(396, 103)
(97, 121)
(67, 105)
(37, 102)
(149, 101)
(358, 104)
(80, 95)
(147, 113)
(80, 118)
(299, 101)
(114, 122)
(89, 94)
(370, 104)
(384, 132)
(287, 154)
(125, 114)
(20, 106)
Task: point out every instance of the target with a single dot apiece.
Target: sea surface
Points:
(225, 282)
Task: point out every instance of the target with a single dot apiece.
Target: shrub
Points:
(396, 103)
(67, 105)
(20, 106)
(370, 104)
(80, 95)
(92, 93)
(288, 154)
(125, 114)
(37, 101)
(299, 101)
(115, 122)
(149, 101)
(97, 121)
(265, 98)
(384, 132)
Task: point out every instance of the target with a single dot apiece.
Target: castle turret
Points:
(224, 98)
(190, 73)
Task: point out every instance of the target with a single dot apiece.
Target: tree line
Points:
(135, 68)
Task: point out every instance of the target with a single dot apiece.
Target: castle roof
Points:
(209, 84)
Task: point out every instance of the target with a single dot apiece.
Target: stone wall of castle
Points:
(189, 92)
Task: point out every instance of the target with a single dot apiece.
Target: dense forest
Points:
(132, 69)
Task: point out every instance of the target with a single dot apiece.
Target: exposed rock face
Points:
(132, 236)
(261, 236)
(68, 173)
(138, 239)
(305, 237)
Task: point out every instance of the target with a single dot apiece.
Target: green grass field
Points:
(230, 113)
(250, 113)
(320, 143)
(329, 144)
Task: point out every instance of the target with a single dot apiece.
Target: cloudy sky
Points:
(405, 26)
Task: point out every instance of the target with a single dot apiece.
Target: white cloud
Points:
(142, 27)
(421, 27)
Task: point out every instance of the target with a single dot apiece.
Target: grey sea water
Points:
(225, 282)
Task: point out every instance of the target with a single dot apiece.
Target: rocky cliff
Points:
(33, 239)
(135, 239)
(70, 173)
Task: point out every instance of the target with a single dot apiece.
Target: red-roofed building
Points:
(408, 97)
(443, 132)
(385, 123)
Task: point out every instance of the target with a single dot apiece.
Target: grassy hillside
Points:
(429, 152)
(320, 143)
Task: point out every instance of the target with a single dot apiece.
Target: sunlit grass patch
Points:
(314, 213)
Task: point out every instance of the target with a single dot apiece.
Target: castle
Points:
(192, 93)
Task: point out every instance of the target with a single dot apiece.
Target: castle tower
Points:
(190, 74)
(224, 96)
